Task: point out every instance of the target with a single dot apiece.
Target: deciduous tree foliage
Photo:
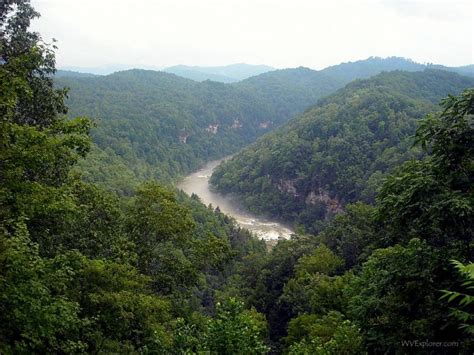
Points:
(338, 151)
(236, 331)
(396, 256)
(158, 125)
(330, 334)
(462, 300)
(84, 270)
(433, 198)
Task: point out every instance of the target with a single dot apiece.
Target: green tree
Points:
(273, 273)
(433, 198)
(395, 297)
(425, 212)
(316, 293)
(322, 261)
(28, 64)
(124, 314)
(161, 230)
(462, 300)
(330, 334)
(352, 235)
(35, 316)
(38, 145)
(235, 330)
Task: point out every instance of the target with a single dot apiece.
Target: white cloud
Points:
(282, 33)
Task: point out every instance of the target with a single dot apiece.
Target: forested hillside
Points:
(290, 91)
(374, 65)
(85, 270)
(73, 74)
(157, 125)
(381, 279)
(338, 151)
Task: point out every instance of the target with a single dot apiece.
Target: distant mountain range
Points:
(158, 125)
(225, 74)
(232, 73)
(373, 65)
(105, 69)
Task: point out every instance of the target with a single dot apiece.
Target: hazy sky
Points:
(280, 33)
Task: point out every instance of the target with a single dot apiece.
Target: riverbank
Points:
(198, 183)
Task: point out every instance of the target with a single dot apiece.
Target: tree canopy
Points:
(338, 151)
(84, 269)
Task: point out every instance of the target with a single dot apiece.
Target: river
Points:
(198, 183)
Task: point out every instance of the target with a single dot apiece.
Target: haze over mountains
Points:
(105, 69)
(225, 74)
(160, 125)
(237, 72)
(374, 65)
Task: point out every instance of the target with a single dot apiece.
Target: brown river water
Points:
(198, 183)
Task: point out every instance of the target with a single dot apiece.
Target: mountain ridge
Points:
(226, 73)
(337, 151)
(154, 124)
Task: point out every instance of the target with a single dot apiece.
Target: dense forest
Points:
(158, 125)
(155, 125)
(338, 151)
(84, 269)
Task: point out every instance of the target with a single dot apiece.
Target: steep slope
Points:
(291, 90)
(338, 151)
(159, 125)
(226, 74)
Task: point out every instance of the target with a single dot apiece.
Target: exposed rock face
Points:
(183, 136)
(212, 128)
(265, 124)
(236, 124)
(333, 205)
(288, 186)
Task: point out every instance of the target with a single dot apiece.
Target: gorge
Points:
(198, 183)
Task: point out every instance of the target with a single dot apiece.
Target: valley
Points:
(234, 209)
(338, 151)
